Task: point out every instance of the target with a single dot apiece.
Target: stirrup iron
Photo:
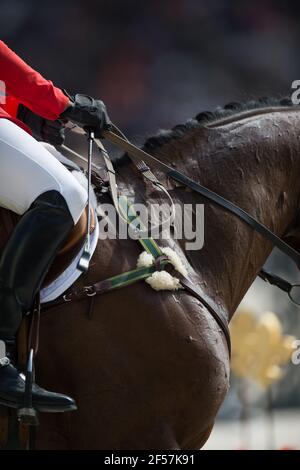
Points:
(27, 414)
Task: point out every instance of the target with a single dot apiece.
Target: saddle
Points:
(68, 251)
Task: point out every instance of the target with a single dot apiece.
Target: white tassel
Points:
(162, 280)
(145, 260)
(175, 260)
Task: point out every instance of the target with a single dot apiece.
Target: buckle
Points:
(67, 297)
(90, 291)
(142, 167)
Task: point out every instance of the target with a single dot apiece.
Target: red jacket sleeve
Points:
(29, 87)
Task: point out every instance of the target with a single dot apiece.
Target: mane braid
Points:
(165, 136)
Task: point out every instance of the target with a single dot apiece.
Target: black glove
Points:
(88, 113)
(52, 132)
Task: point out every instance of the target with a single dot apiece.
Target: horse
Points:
(150, 370)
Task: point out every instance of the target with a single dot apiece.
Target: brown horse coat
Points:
(150, 370)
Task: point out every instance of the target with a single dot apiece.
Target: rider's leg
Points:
(49, 213)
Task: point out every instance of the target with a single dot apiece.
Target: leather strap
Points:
(214, 310)
(104, 286)
(140, 154)
(147, 174)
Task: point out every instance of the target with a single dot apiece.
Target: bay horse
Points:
(150, 370)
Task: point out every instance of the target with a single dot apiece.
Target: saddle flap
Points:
(71, 247)
(68, 251)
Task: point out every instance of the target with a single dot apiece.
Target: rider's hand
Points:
(52, 132)
(88, 113)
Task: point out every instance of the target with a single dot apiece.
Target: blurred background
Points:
(156, 64)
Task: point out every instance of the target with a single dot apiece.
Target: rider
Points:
(34, 184)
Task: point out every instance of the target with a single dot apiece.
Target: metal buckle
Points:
(67, 297)
(90, 291)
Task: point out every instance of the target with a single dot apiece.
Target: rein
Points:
(138, 154)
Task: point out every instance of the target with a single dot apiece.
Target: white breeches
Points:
(27, 170)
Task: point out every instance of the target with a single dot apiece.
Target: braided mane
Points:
(206, 117)
(165, 136)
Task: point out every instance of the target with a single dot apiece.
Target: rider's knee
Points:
(73, 200)
(77, 200)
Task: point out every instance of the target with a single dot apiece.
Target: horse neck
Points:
(255, 164)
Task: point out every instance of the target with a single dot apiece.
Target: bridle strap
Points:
(198, 293)
(176, 175)
(243, 215)
(146, 173)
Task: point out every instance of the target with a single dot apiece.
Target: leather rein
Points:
(139, 154)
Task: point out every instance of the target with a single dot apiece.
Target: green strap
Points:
(130, 277)
(129, 213)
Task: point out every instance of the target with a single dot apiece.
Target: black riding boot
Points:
(23, 267)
